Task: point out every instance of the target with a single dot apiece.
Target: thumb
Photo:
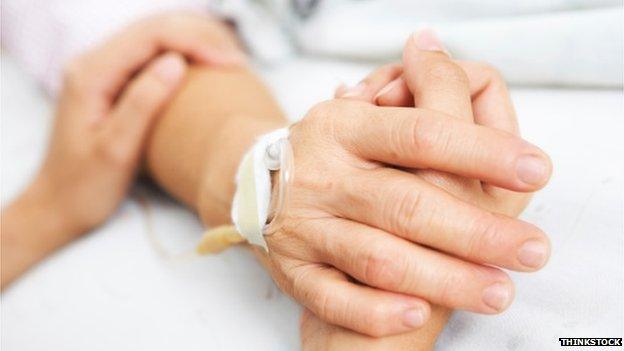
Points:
(436, 82)
(142, 100)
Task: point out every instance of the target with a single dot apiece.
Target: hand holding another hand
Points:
(393, 208)
(110, 99)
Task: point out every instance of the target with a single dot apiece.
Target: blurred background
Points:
(135, 285)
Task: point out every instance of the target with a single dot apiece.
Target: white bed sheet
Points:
(113, 290)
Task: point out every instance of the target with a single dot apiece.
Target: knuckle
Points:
(419, 135)
(417, 139)
(142, 98)
(400, 143)
(428, 135)
(355, 192)
(492, 72)
(333, 119)
(374, 320)
(323, 110)
(115, 154)
(75, 76)
(486, 233)
(408, 212)
(448, 288)
(322, 306)
(381, 269)
(320, 119)
(316, 298)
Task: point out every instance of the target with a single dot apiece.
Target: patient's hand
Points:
(373, 200)
(490, 106)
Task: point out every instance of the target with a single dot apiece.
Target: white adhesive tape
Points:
(250, 207)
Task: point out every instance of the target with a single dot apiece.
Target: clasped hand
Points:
(394, 208)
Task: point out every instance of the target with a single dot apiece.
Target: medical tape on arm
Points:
(252, 199)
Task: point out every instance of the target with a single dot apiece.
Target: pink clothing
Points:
(44, 35)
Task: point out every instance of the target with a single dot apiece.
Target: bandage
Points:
(252, 200)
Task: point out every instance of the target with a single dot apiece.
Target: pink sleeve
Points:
(42, 35)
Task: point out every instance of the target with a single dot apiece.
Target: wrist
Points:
(217, 185)
(42, 205)
(33, 226)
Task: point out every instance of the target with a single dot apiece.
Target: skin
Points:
(102, 120)
(491, 103)
(397, 215)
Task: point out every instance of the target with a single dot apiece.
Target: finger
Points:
(332, 297)
(385, 261)
(366, 89)
(141, 102)
(436, 82)
(105, 70)
(425, 139)
(492, 107)
(416, 210)
(491, 102)
(396, 94)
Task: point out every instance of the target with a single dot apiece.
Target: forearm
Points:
(194, 151)
(33, 226)
(197, 143)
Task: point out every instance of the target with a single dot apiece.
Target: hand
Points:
(103, 118)
(110, 99)
(491, 105)
(358, 211)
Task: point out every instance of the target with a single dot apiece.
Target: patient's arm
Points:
(199, 140)
(194, 151)
(341, 150)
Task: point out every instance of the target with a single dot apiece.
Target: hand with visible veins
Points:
(472, 92)
(394, 208)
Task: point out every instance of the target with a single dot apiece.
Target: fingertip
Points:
(417, 315)
(533, 169)
(534, 253)
(426, 40)
(498, 297)
(386, 90)
(170, 68)
(395, 94)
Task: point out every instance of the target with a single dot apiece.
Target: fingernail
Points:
(533, 254)
(532, 169)
(426, 39)
(387, 88)
(170, 68)
(414, 318)
(355, 91)
(497, 296)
